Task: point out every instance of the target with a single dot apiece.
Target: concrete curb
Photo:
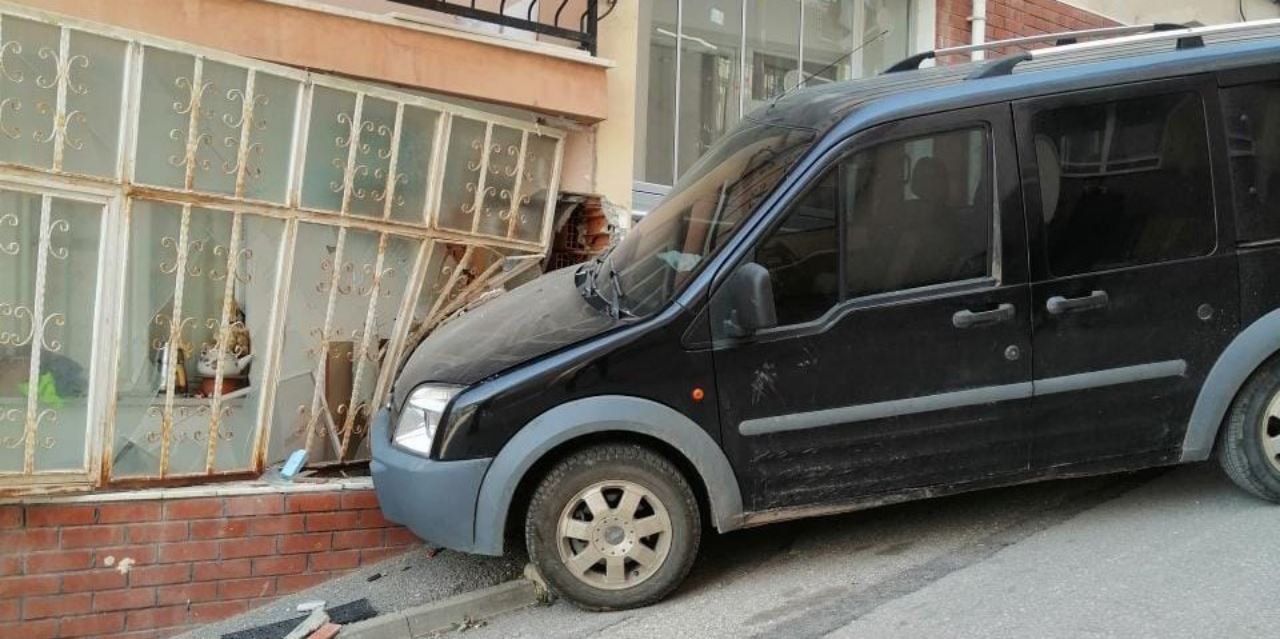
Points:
(446, 613)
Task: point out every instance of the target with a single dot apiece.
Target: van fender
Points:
(1253, 346)
(598, 414)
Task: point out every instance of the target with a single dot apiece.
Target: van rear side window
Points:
(1253, 136)
(1124, 183)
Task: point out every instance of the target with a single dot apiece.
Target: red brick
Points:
(188, 551)
(18, 587)
(247, 588)
(342, 520)
(160, 575)
(127, 599)
(255, 505)
(92, 625)
(140, 555)
(279, 525)
(401, 537)
(339, 560)
(357, 539)
(129, 512)
(93, 580)
(219, 528)
(248, 547)
(327, 631)
(61, 515)
(208, 571)
(371, 519)
(157, 618)
(9, 609)
(294, 583)
(213, 611)
(92, 536)
(378, 554)
(158, 531)
(59, 561)
(55, 606)
(20, 541)
(305, 543)
(11, 516)
(10, 565)
(359, 500)
(287, 565)
(148, 634)
(312, 502)
(44, 629)
(187, 593)
(203, 508)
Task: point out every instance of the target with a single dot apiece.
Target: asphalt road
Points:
(1172, 553)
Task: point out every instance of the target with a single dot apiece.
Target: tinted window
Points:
(1124, 183)
(803, 257)
(1253, 134)
(919, 212)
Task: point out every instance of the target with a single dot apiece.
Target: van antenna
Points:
(824, 69)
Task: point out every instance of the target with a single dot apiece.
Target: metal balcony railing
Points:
(554, 18)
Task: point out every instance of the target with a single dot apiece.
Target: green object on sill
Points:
(46, 392)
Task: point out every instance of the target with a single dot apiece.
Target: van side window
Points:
(1253, 136)
(919, 212)
(803, 256)
(1125, 183)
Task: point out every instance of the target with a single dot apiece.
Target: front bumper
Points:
(434, 499)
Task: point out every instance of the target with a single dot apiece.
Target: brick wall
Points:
(156, 568)
(1011, 19)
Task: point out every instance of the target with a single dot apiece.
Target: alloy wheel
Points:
(614, 535)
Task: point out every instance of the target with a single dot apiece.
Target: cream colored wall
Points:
(1203, 11)
(616, 137)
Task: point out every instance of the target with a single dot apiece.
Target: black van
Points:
(1050, 264)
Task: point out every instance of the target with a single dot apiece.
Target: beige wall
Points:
(1203, 11)
(616, 137)
(432, 59)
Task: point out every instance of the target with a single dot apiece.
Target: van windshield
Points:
(661, 254)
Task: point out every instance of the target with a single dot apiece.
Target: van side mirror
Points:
(750, 301)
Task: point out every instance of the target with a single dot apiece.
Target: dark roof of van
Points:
(856, 104)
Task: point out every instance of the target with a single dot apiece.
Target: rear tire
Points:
(1249, 447)
(613, 526)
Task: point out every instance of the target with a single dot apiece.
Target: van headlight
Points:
(422, 415)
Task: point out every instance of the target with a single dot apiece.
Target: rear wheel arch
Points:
(564, 429)
(1251, 349)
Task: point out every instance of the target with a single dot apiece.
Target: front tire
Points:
(1249, 447)
(613, 526)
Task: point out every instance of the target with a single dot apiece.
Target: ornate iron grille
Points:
(207, 262)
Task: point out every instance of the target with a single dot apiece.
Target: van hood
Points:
(532, 320)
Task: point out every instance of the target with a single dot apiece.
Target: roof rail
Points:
(1185, 37)
(1062, 38)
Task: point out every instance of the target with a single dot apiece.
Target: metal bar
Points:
(500, 19)
(513, 211)
(442, 299)
(1045, 37)
(361, 354)
(675, 122)
(481, 178)
(400, 332)
(33, 419)
(275, 338)
(175, 339)
(63, 76)
(322, 353)
(353, 144)
(246, 128)
(193, 122)
(389, 191)
(224, 336)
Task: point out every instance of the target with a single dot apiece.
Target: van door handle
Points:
(969, 319)
(1057, 305)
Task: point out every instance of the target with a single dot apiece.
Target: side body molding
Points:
(594, 415)
(1253, 346)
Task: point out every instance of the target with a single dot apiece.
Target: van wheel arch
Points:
(519, 507)
(564, 428)
(1252, 349)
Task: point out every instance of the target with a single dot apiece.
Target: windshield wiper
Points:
(616, 305)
